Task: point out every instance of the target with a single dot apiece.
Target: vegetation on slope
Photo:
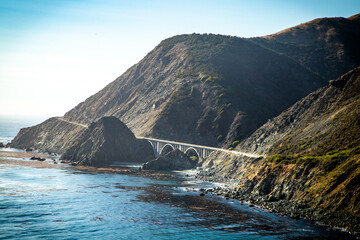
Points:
(326, 143)
(205, 89)
(212, 89)
(327, 46)
(53, 135)
(334, 124)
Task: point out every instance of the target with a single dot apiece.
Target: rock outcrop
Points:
(106, 141)
(173, 160)
(53, 135)
(324, 121)
(313, 151)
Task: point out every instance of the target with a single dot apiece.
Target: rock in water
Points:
(106, 141)
(37, 158)
(174, 160)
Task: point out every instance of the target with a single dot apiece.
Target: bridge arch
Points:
(211, 153)
(192, 152)
(154, 146)
(166, 148)
(162, 147)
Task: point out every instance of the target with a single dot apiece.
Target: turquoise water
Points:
(10, 126)
(64, 203)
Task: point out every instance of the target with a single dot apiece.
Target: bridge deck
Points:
(203, 147)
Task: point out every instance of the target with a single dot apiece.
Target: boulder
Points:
(174, 160)
(106, 141)
(37, 158)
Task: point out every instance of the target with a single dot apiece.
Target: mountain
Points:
(209, 89)
(325, 121)
(327, 136)
(191, 84)
(311, 167)
(313, 149)
(326, 46)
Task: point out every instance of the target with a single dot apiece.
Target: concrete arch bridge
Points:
(161, 147)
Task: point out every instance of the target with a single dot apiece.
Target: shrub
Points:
(191, 91)
(235, 143)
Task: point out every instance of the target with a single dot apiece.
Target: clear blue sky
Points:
(56, 53)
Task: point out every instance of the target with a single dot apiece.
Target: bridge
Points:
(161, 147)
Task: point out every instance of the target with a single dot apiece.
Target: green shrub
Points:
(235, 143)
(277, 158)
(191, 91)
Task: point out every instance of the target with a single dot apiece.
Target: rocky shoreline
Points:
(297, 210)
(227, 188)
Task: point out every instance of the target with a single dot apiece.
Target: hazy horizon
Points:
(55, 54)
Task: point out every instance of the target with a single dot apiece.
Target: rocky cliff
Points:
(324, 145)
(106, 141)
(327, 46)
(53, 135)
(173, 160)
(324, 121)
(312, 151)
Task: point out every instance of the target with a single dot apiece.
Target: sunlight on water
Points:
(52, 203)
(63, 203)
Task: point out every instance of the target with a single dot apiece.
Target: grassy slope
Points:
(329, 144)
(333, 40)
(236, 86)
(207, 89)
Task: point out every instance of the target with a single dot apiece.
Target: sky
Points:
(55, 54)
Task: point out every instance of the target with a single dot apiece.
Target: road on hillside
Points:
(180, 143)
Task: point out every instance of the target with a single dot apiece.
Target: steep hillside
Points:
(327, 120)
(53, 135)
(313, 149)
(312, 164)
(213, 89)
(206, 89)
(327, 46)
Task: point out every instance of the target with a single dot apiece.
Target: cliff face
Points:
(324, 121)
(173, 160)
(53, 135)
(327, 46)
(313, 151)
(106, 141)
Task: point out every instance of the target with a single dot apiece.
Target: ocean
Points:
(10, 126)
(60, 202)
